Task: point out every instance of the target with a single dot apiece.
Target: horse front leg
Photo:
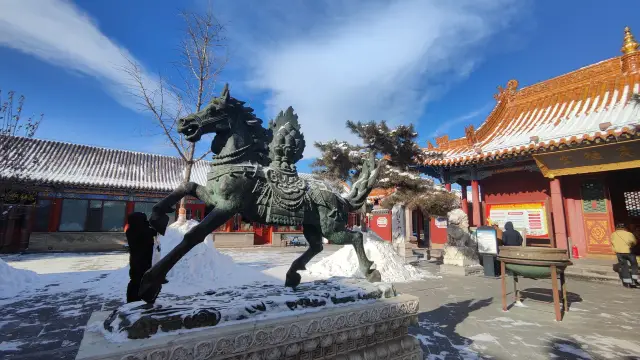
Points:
(159, 218)
(313, 235)
(152, 280)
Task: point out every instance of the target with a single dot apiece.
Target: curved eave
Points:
(626, 133)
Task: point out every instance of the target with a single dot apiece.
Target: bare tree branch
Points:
(202, 56)
(147, 100)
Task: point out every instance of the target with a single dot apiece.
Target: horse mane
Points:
(261, 136)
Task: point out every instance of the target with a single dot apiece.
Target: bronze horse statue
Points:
(253, 173)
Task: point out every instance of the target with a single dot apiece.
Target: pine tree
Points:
(341, 161)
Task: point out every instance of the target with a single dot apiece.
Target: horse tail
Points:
(365, 183)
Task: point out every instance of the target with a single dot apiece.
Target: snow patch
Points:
(14, 281)
(484, 337)
(11, 345)
(344, 262)
(201, 269)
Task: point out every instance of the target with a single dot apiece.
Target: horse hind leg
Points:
(356, 239)
(313, 235)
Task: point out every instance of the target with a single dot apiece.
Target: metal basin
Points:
(533, 262)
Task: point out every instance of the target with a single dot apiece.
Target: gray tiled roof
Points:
(59, 163)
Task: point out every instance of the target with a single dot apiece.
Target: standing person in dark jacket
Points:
(511, 237)
(140, 239)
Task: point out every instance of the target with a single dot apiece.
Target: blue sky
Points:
(429, 62)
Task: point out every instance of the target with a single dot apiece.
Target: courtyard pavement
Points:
(460, 318)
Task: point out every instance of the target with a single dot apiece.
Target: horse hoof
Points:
(374, 276)
(159, 222)
(149, 288)
(293, 280)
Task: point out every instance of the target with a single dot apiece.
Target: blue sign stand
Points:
(488, 247)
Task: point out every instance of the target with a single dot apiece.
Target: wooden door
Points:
(262, 234)
(597, 223)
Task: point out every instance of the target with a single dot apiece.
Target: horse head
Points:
(215, 117)
(227, 117)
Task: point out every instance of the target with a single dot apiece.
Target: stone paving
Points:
(461, 318)
(47, 326)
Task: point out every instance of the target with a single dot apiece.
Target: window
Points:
(43, 210)
(144, 207)
(94, 215)
(74, 215)
(113, 215)
(632, 203)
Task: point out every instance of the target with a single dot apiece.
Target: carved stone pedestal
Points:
(373, 329)
(460, 261)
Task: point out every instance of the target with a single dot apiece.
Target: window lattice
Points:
(593, 199)
(632, 203)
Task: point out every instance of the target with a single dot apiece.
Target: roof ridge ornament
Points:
(629, 44)
(507, 93)
(470, 134)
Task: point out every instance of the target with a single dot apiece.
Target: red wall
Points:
(438, 235)
(380, 227)
(519, 186)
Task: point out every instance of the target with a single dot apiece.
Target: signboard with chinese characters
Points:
(441, 222)
(530, 216)
(613, 156)
(487, 240)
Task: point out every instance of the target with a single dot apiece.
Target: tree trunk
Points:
(182, 212)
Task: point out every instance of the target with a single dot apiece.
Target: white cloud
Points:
(445, 126)
(360, 60)
(60, 33)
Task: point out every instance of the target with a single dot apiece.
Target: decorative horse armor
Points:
(253, 173)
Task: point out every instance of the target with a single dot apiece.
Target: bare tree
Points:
(12, 164)
(202, 57)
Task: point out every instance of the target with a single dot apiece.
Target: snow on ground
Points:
(55, 263)
(391, 266)
(10, 345)
(203, 268)
(14, 281)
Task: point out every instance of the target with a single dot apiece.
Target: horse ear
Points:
(225, 95)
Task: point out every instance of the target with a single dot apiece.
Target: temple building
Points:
(83, 195)
(560, 158)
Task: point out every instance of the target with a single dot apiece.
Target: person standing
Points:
(140, 238)
(622, 241)
(510, 236)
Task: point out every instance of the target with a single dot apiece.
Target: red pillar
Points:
(559, 224)
(447, 186)
(56, 211)
(475, 198)
(464, 202)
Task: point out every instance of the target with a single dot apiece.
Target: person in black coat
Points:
(511, 237)
(140, 239)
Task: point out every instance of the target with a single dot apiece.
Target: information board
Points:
(487, 240)
(530, 216)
